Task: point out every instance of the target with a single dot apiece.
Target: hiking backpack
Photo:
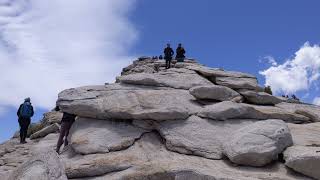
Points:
(26, 110)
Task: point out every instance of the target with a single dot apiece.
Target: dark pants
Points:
(64, 132)
(24, 125)
(180, 59)
(168, 62)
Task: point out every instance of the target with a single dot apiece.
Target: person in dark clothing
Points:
(180, 51)
(66, 123)
(24, 113)
(168, 53)
(295, 97)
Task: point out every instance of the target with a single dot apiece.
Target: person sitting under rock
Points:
(168, 53)
(24, 113)
(66, 123)
(180, 51)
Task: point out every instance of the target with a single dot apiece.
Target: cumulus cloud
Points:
(298, 73)
(50, 45)
(316, 101)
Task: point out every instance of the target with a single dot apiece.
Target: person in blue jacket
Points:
(24, 113)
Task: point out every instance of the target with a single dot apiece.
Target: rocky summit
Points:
(188, 122)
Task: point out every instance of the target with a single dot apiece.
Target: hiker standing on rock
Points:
(66, 123)
(168, 53)
(24, 113)
(180, 51)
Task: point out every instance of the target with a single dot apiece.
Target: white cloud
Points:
(271, 60)
(50, 45)
(316, 101)
(296, 74)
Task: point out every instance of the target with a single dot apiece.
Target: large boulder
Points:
(129, 104)
(174, 80)
(258, 144)
(52, 117)
(148, 158)
(44, 166)
(305, 160)
(89, 136)
(231, 110)
(138, 130)
(311, 111)
(260, 98)
(305, 134)
(45, 131)
(199, 136)
(214, 92)
(140, 66)
(238, 83)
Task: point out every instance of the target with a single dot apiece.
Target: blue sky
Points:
(234, 35)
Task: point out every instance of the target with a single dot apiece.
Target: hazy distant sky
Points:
(47, 46)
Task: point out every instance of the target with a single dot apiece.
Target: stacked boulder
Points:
(187, 122)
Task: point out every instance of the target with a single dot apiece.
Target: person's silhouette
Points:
(168, 53)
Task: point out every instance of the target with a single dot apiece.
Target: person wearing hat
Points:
(24, 113)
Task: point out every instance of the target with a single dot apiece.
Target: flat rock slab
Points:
(216, 72)
(311, 111)
(148, 158)
(258, 144)
(305, 160)
(238, 83)
(271, 112)
(45, 144)
(174, 80)
(45, 131)
(231, 110)
(45, 165)
(199, 136)
(89, 136)
(129, 104)
(215, 92)
(13, 154)
(260, 98)
(227, 110)
(305, 134)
